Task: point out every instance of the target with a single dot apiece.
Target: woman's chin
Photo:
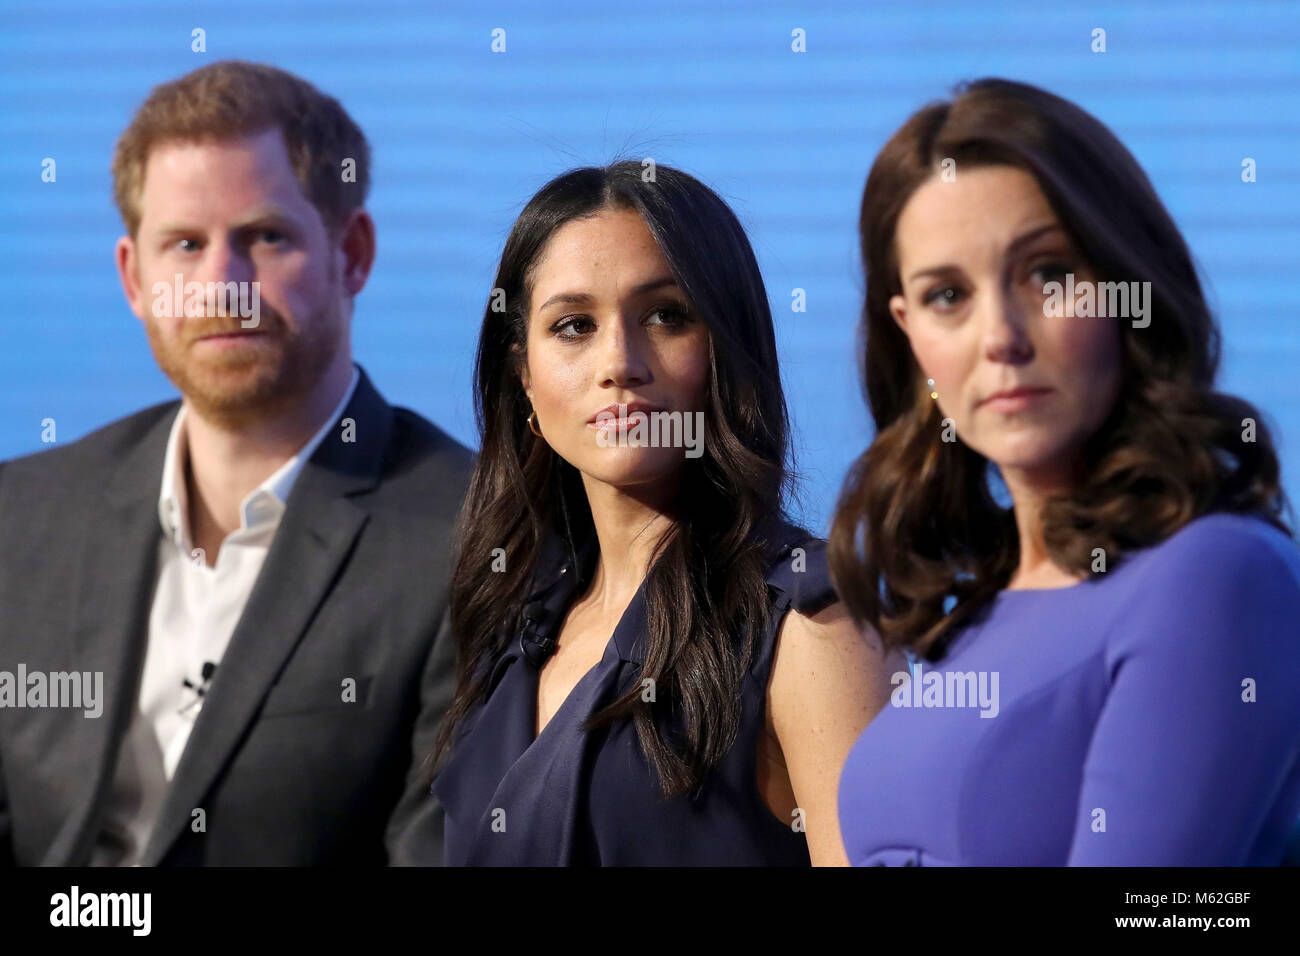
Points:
(632, 467)
(1027, 452)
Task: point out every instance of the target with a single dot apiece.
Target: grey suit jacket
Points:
(285, 771)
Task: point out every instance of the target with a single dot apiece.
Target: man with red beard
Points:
(259, 570)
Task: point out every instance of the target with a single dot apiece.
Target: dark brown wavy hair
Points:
(919, 544)
(706, 593)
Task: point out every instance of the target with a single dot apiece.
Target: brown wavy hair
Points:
(919, 544)
(706, 593)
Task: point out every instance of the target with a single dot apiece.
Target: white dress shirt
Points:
(194, 612)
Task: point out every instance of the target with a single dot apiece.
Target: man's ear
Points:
(128, 273)
(898, 309)
(357, 242)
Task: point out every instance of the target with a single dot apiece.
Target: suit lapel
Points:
(316, 533)
(111, 625)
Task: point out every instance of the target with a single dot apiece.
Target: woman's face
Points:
(974, 254)
(608, 325)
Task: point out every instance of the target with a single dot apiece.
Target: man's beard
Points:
(240, 386)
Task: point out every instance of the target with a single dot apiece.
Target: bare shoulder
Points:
(827, 637)
(829, 679)
(824, 663)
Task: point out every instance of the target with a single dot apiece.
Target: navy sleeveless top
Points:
(570, 797)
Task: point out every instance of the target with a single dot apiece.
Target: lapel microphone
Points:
(535, 618)
(535, 647)
(205, 680)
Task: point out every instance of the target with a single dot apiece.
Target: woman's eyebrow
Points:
(1021, 240)
(582, 298)
(1027, 237)
(944, 269)
(571, 298)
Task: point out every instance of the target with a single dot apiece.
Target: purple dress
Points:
(1147, 716)
(568, 797)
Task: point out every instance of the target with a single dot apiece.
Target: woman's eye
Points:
(943, 297)
(1054, 271)
(671, 314)
(571, 327)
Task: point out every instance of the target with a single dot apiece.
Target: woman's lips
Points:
(1016, 400)
(620, 423)
(616, 416)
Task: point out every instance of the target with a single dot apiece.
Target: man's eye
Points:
(188, 245)
(272, 236)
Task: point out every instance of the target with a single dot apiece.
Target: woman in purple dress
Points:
(633, 690)
(1076, 538)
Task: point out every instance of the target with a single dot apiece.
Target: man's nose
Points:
(224, 262)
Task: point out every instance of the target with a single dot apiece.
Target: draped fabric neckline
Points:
(521, 790)
(624, 644)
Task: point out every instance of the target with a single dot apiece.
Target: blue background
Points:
(462, 137)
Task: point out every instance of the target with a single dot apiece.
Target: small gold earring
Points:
(532, 424)
(933, 393)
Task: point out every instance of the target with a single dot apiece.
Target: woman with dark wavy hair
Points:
(1107, 670)
(631, 689)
